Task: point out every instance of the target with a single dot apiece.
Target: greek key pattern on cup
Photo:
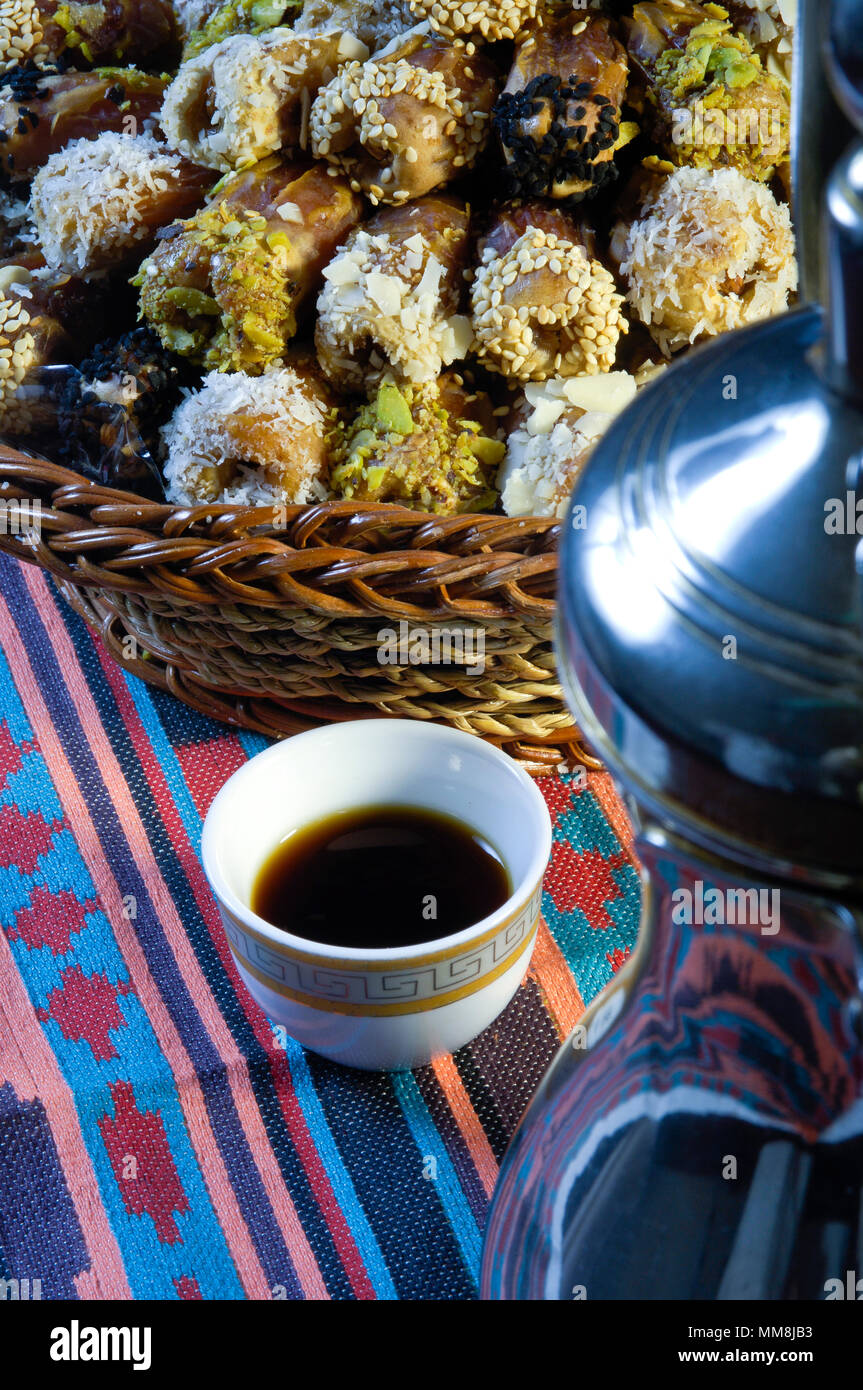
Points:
(368, 986)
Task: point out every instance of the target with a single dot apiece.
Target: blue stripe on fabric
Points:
(445, 1182)
(251, 742)
(212, 1076)
(303, 1087)
(420, 1249)
(147, 1260)
(342, 1183)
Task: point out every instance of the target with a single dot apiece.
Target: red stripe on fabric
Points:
(26, 1052)
(189, 1094)
(207, 766)
(301, 1137)
(107, 1274)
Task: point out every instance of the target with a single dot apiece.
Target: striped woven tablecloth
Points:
(155, 1140)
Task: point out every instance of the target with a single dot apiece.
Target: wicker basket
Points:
(278, 627)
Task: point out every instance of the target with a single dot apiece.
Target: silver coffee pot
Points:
(710, 639)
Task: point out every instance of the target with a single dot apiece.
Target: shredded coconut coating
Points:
(403, 124)
(251, 440)
(493, 19)
(545, 309)
(561, 422)
(193, 14)
(375, 22)
(94, 201)
(17, 233)
(710, 251)
(247, 97)
(21, 33)
(391, 297)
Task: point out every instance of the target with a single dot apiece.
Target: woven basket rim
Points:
(337, 558)
(134, 568)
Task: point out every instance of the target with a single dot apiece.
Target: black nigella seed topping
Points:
(98, 429)
(23, 81)
(563, 153)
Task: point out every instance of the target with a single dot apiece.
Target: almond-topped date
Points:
(551, 433)
(392, 296)
(442, 220)
(407, 121)
(42, 112)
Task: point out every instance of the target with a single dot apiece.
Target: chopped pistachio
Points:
(392, 410)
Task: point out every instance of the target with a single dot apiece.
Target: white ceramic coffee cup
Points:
(391, 1008)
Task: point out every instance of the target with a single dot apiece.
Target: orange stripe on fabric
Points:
(559, 991)
(189, 1094)
(602, 786)
(22, 1034)
(302, 1256)
(86, 1287)
(469, 1123)
(303, 1140)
